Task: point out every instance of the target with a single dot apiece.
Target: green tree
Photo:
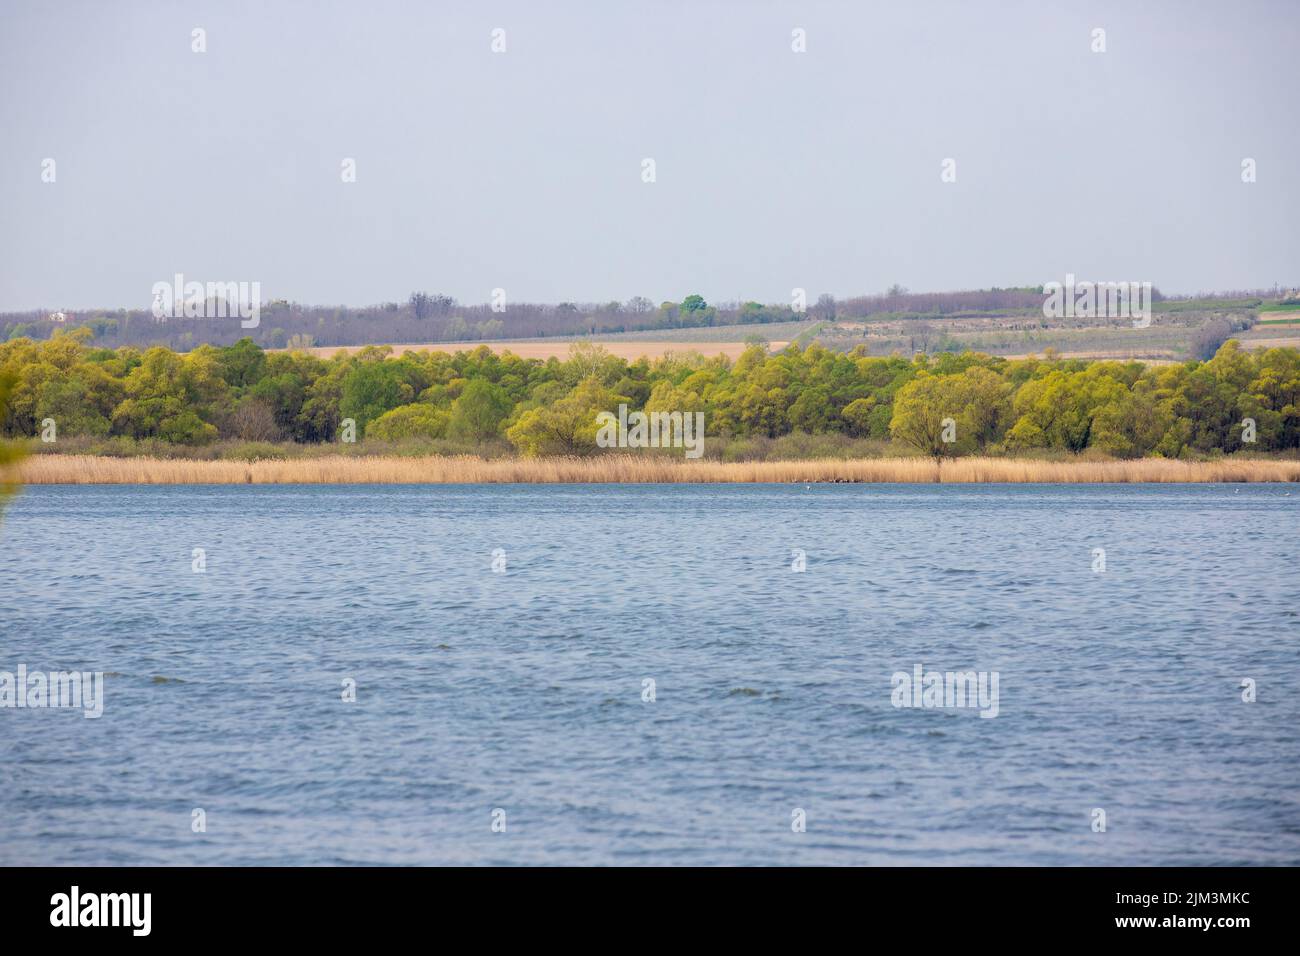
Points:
(81, 402)
(1132, 424)
(479, 411)
(10, 454)
(566, 427)
(373, 387)
(926, 410)
(986, 405)
(812, 411)
(1059, 409)
(859, 417)
(242, 364)
(167, 397)
(409, 421)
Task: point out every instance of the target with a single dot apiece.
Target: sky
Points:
(524, 170)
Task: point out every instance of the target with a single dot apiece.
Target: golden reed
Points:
(339, 469)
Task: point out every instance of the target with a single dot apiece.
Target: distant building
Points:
(58, 317)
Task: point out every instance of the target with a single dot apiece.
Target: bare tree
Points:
(1207, 339)
(826, 307)
(421, 305)
(922, 332)
(254, 420)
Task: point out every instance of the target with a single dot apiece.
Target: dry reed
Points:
(89, 469)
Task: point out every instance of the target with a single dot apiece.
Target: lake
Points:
(507, 716)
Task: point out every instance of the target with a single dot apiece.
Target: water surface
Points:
(523, 690)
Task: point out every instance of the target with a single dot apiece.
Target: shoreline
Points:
(628, 469)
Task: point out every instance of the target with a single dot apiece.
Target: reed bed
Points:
(338, 469)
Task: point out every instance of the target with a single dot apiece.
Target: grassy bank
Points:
(338, 469)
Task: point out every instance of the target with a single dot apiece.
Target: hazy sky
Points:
(523, 170)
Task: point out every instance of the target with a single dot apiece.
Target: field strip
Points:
(636, 469)
(559, 348)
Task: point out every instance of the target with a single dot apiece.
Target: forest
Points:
(75, 394)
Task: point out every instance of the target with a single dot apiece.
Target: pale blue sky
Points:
(523, 170)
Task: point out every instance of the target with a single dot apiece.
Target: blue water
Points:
(522, 691)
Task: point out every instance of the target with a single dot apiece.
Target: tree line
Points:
(433, 317)
(950, 404)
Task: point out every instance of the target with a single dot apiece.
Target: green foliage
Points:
(478, 412)
(166, 396)
(10, 454)
(1059, 410)
(474, 398)
(566, 427)
(242, 364)
(925, 413)
(694, 311)
(80, 403)
(409, 421)
(373, 387)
